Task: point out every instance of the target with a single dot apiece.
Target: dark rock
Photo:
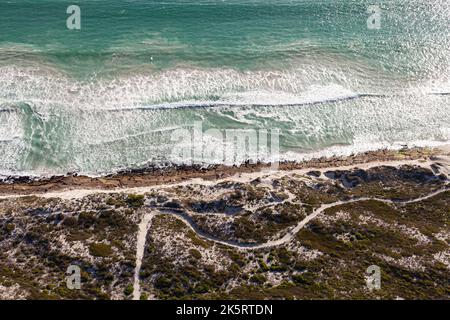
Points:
(314, 173)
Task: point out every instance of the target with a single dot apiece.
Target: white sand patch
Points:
(414, 263)
(443, 235)
(340, 216)
(140, 246)
(12, 293)
(214, 257)
(304, 253)
(443, 257)
(275, 278)
(344, 237)
(249, 267)
(410, 232)
(72, 248)
(178, 245)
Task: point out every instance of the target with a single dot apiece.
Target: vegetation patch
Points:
(100, 250)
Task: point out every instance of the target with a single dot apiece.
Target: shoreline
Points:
(388, 209)
(153, 177)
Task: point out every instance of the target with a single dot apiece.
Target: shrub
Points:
(115, 202)
(128, 290)
(10, 227)
(300, 279)
(70, 221)
(284, 256)
(263, 265)
(135, 200)
(277, 268)
(100, 250)
(258, 279)
(87, 219)
(195, 253)
(162, 282)
(144, 296)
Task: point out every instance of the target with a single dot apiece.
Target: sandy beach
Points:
(184, 174)
(234, 232)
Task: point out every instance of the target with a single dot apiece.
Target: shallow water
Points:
(119, 92)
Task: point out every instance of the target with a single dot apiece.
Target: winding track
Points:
(291, 233)
(146, 222)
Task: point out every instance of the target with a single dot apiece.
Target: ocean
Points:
(331, 77)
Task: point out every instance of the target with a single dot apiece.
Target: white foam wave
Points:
(173, 88)
(55, 125)
(313, 95)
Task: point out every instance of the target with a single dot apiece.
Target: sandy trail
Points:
(293, 232)
(240, 177)
(146, 221)
(443, 162)
(144, 226)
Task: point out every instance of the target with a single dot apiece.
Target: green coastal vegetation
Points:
(203, 240)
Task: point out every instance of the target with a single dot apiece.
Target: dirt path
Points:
(144, 226)
(293, 232)
(245, 177)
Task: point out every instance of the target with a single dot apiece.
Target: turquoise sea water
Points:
(111, 95)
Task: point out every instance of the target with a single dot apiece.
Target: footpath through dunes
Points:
(200, 237)
(206, 202)
(293, 232)
(290, 234)
(139, 179)
(144, 225)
